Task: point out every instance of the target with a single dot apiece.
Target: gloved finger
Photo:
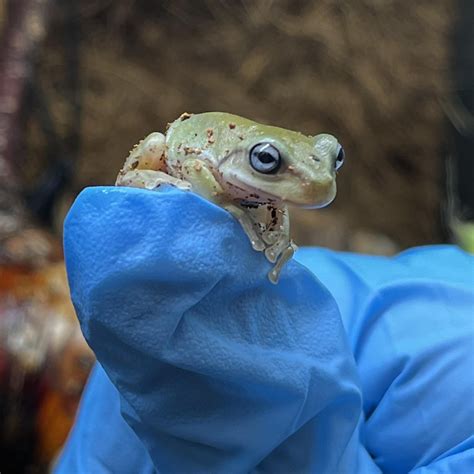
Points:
(218, 369)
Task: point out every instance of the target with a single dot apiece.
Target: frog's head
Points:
(270, 164)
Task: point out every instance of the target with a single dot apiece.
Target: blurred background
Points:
(82, 81)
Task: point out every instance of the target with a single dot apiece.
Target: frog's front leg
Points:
(204, 183)
(275, 232)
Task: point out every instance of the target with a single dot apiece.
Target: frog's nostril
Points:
(339, 158)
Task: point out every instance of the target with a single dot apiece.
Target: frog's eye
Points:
(265, 158)
(339, 158)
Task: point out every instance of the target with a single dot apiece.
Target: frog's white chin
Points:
(313, 206)
(318, 202)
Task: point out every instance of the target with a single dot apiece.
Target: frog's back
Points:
(190, 123)
(213, 134)
(207, 136)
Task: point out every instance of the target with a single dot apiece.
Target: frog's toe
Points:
(257, 245)
(283, 258)
(274, 275)
(271, 254)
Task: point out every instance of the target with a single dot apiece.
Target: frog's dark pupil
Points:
(340, 155)
(265, 157)
(340, 158)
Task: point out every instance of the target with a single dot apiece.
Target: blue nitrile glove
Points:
(218, 370)
(411, 327)
(410, 321)
(101, 441)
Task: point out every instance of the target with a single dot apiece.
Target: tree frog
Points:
(253, 171)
